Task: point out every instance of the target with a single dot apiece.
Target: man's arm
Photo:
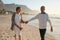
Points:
(36, 17)
(50, 24)
(17, 25)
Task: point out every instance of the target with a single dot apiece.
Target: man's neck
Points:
(42, 12)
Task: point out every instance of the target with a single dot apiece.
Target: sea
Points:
(55, 20)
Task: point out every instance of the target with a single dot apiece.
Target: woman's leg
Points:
(15, 36)
(19, 37)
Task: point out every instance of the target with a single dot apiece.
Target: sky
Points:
(52, 6)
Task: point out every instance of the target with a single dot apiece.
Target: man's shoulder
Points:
(46, 13)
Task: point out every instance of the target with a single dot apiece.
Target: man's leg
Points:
(42, 33)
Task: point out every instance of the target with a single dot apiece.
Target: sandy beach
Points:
(28, 32)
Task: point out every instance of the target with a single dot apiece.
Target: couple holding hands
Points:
(42, 18)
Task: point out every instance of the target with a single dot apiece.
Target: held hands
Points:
(26, 22)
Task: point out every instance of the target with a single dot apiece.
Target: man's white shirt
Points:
(17, 19)
(42, 18)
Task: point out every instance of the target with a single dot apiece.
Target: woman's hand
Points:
(20, 28)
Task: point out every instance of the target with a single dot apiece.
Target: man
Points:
(42, 18)
(17, 23)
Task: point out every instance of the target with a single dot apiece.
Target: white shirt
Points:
(17, 19)
(43, 18)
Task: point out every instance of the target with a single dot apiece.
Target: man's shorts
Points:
(17, 30)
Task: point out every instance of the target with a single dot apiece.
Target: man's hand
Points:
(51, 29)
